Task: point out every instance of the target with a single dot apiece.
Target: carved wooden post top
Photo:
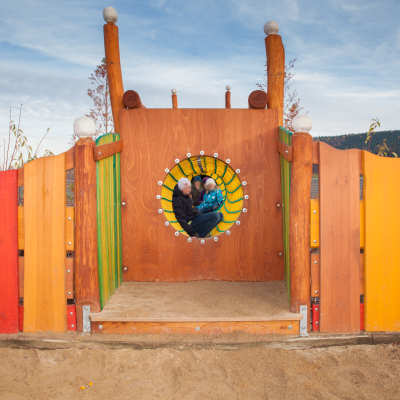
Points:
(110, 15)
(84, 127)
(302, 124)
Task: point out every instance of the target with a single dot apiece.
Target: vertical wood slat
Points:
(382, 237)
(9, 252)
(339, 239)
(109, 221)
(45, 308)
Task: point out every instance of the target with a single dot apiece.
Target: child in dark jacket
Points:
(212, 199)
(196, 190)
(200, 200)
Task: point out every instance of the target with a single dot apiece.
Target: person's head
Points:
(184, 186)
(197, 182)
(210, 184)
(205, 180)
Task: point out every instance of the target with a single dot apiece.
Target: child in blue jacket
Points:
(212, 199)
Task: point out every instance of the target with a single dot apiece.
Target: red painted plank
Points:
(21, 318)
(71, 317)
(9, 252)
(315, 320)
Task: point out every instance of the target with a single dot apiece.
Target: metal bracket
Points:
(86, 320)
(303, 322)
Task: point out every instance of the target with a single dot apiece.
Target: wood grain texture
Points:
(205, 328)
(228, 99)
(107, 150)
(340, 239)
(109, 221)
(114, 74)
(153, 139)
(86, 255)
(382, 237)
(45, 308)
(299, 221)
(69, 228)
(276, 73)
(258, 99)
(69, 273)
(284, 150)
(9, 252)
(132, 99)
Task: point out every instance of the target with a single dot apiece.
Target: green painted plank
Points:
(109, 221)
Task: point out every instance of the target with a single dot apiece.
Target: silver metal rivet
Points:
(69, 218)
(189, 240)
(316, 309)
(160, 211)
(177, 161)
(125, 269)
(228, 232)
(189, 155)
(287, 151)
(99, 152)
(69, 292)
(68, 271)
(237, 222)
(303, 308)
(197, 328)
(238, 171)
(123, 203)
(303, 327)
(72, 326)
(290, 326)
(228, 161)
(215, 239)
(315, 262)
(202, 241)
(280, 254)
(160, 183)
(316, 323)
(315, 211)
(315, 241)
(100, 326)
(202, 153)
(244, 183)
(166, 170)
(167, 223)
(244, 209)
(71, 313)
(316, 291)
(69, 242)
(176, 233)
(215, 154)
(158, 197)
(246, 196)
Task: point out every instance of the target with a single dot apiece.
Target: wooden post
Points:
(299, 214)
(258, 99)
(114, 74)
(275, 68)
(131, 100)
(86, 258)
(228, 97)
(174, 99)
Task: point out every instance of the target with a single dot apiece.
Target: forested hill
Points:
(357, 141)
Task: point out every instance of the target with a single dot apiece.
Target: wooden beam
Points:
(228, 99)
(284, 149)
(276, 73)
(132, 100)
(69, 273)
(258, 99)
(174, 98)
(86, 261)
(290, 327)
(114, 74)
(107, 150)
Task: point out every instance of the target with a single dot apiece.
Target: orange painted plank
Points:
(340, 239)
(382, 243)
(45, 308)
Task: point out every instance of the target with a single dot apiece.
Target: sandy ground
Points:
(198, 299)
(355, 372)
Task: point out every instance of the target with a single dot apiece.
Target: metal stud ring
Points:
(215, 239)
(176, 233)
(158, 197)
(238, 171)
(215, 155)
(177, 161)
(189, 239)
(166, 170)
(246, 196)
(202, 241)
(167, 223)
(189, 155)
(244, 183)
(228, 232)
(244, 209)
(228, 161)
(202, 153)
(237, 222)
(160, 211)
(160, 183)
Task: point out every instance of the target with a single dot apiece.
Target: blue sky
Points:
(347, 69)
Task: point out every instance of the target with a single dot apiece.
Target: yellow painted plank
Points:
(382, 238)
(314, 224)
(69, 228)
(45, 308)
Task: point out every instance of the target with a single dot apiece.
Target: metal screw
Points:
(202, 241)
(316, 309)
(100, 326)
(215, 239)
(197, 328)
(69, 242)
(280, 254)
(290, 326)
(278, 205)
(228, 161)
(246, 196)
(99, 152)
(160, 183)
(303, 327)
(316, 291)
(158, 197)
(228, 232)
(166, 170)
(160, 211)
(244, 210)
(303, 308)
(237, 222)
(315, 241)
(125, 269)
(202, 153)
(244, 183)
(167, 223)
(176, 233)
(315, 211)
(189, 155)
(69, 218)
(71, 313)
(238, 171)
(315, 262)
(69, 292)
(123, 203)
(68, 271)
(287, 151)
(72, 326)
(316, 322)
(189, 240)
(215, 154)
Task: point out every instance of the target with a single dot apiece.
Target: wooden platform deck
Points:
(205, 307)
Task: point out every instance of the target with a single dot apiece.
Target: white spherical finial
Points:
(84, 127)
(173, 91)
(302, 123)
(271, 28)
(228, 87)
(110, 14)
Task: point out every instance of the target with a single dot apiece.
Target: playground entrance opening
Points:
(225, 177)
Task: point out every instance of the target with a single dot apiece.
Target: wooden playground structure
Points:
(119, 262)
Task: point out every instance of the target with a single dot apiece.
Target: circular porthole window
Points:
(225, 177)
